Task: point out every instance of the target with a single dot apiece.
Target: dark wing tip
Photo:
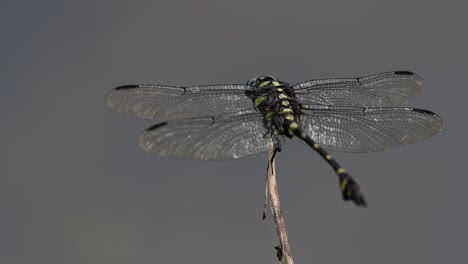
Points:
(426, 112)
(435, 118)
(156, 126)
(127, 87)
(403, 73)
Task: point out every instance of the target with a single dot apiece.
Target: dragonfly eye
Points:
(261, 79)
(252, 82)
(272, 78)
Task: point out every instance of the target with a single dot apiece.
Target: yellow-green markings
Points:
(260, 100)
(268, 115)
(282, 96)
(276, 83)
(285, 103)
(293, 126)
(328, 157)
(289, 117)
(303, 135)
(263, 84)
(287, 110)
(316, 146)
(343, 184)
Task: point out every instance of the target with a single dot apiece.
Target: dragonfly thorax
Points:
(277, 103)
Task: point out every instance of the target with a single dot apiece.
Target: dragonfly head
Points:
(262, 81)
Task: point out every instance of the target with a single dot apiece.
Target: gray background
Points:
(75, 187)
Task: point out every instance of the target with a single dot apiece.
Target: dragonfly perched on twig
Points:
(219, 122)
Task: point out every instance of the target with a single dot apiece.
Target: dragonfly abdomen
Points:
(348, 186)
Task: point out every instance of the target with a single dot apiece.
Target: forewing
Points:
(369, 129)
(211, 138)
(379, 90)
(173, 103)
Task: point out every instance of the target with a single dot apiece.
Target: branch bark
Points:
(283, 251)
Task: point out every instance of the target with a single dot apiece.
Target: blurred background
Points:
(76, 188)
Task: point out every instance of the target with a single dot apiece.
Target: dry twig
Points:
(283, 251)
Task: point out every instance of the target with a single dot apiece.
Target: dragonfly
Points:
(231, 121)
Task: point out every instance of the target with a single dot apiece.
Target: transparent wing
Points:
(379, 90)
(351, 129)
(172, 103)
(211, 138)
